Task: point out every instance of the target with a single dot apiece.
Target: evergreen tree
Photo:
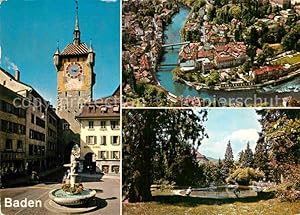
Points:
(228, 161)
(241, 157)
(247, 157)
(261, 156)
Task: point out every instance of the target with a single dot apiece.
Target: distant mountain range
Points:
(212, 159)
(202, 158)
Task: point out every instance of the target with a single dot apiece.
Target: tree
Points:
(252, 37)
(228, 161)
(243, 176)
(281, 129)
(241, 157)
(235, 12)
(160, 138)
(251, 52)
(247, 157)
(261, 156)
(289, 41)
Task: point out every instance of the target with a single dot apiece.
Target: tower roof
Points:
(73, 49)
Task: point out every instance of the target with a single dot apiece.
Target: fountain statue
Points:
(75, 153)
(72, 193)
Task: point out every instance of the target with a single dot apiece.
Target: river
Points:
(165, 76)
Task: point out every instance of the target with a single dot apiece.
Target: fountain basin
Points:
(220, 192)
(66, 199)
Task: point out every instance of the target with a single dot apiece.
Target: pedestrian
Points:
(236, 192)
(188, 191)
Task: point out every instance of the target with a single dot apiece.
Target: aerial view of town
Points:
(211, 52)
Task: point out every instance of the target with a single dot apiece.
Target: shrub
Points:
(243, 176)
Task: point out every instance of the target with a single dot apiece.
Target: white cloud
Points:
(109, 1)
(238, 139)
(244, 135)
(10, 64)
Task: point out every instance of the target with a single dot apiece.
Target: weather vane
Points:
(76, 2)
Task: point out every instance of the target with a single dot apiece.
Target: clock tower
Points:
(75, 77)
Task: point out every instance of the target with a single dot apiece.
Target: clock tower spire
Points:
(76, 40)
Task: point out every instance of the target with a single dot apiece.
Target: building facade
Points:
(29, 129)
(100, 135)
(12, 136)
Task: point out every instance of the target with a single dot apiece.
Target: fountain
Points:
(220, 192)
(72, 193)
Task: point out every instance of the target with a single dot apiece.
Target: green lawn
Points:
(180, 205)
(293, 60)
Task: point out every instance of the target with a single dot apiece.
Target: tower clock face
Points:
(74, 70)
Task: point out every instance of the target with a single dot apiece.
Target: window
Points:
(19, 144)
(91, 139)
(4, 125)
(8, 144)
(40, 122)
(42, 150)
(10, 127)
(115, 155)
(115, 169)
(35, 151)
(114, 124)
(115, 140)
(36, 135)
(32, 118)
(22, 113)
(30, 149)
(103, 124)
(91, 124)
(66, 126)
(78, 93)
(22, 129)
(102, 155)
(105, 169)
(52, 120)
(103, 140)
(116, 109)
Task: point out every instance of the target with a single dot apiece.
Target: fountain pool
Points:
(221, 192)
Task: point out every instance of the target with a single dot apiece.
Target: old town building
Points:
(100, 135)
(29, 127)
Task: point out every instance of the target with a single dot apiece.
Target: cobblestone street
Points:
(108, 190)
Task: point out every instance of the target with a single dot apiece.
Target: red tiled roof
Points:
(73, 49)
(268, 69)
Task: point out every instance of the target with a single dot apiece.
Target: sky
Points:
(30, 29)
(237, 125)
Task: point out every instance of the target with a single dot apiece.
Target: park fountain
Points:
(221, 192)
(72, 193)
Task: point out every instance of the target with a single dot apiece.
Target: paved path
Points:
(108, 189)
